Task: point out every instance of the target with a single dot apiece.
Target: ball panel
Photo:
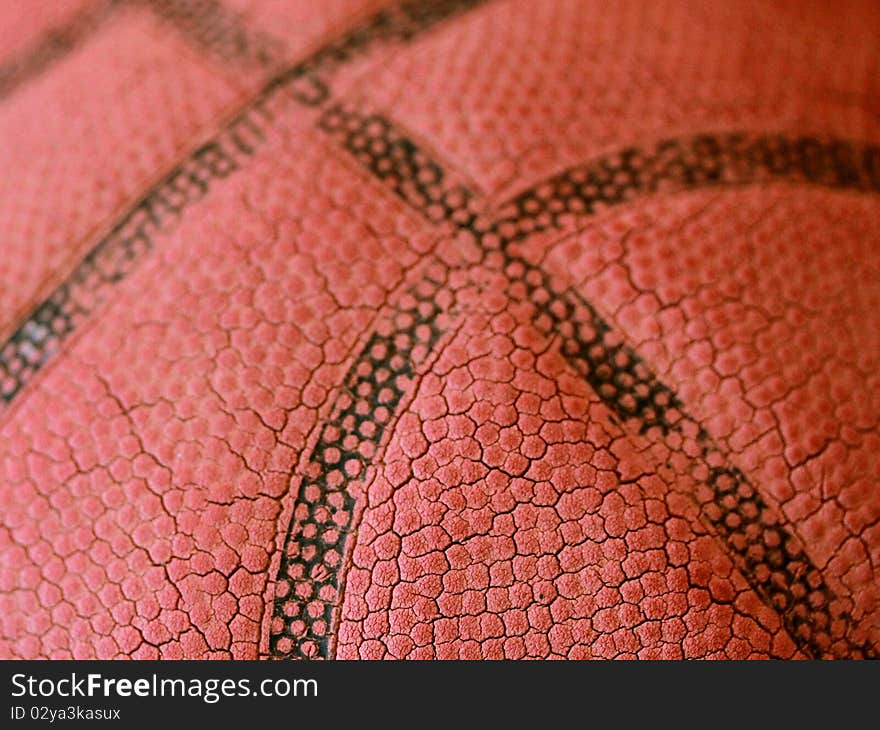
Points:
(343, 402)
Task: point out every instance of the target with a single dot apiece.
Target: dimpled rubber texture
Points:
(439, 329)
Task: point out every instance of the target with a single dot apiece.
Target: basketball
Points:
(439, 329)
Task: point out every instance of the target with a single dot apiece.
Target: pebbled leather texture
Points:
(442, 329)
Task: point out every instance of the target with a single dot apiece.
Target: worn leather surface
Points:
(451, 329)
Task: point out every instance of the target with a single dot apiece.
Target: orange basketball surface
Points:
(439, 329)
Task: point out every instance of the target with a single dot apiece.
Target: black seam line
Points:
(207, 25)
(311, 572)
(210, 27)
(687, 163)
(768, 553)
(307, 584)
(117, 253)
(53, 45)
